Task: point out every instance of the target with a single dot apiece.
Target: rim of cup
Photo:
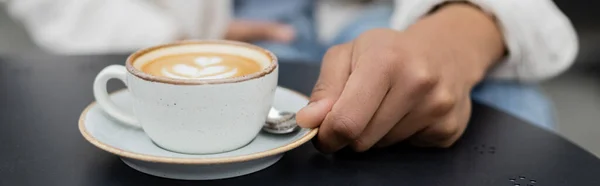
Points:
(129, 64)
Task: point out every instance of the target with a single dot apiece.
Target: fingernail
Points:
(311, 106)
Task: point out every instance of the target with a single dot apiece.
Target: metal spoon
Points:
(279, 122)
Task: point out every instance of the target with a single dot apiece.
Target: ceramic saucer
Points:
(140, 153)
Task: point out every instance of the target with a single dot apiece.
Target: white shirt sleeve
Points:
(94, 26)
(540, 39)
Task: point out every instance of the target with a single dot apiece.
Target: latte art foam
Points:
(201, 66)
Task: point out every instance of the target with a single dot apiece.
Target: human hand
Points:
(388, 86)
(249, 31)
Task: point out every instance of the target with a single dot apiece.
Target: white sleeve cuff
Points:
(540, 39)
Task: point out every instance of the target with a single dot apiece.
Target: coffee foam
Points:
(209, 69)
(262, 58)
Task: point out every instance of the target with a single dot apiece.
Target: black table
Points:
(41, 98)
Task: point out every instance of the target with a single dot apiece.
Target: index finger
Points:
(362, 95)
(335, 71)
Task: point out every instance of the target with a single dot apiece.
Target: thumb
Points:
(314, 113)
(334, 74)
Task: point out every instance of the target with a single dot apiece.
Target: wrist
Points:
(463, 29)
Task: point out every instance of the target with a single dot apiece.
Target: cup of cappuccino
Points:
(195, 97)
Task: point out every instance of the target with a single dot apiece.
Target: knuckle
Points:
(449, 141)
(345, 127)
(424, 80)
(443, 103)
(447, 130)
(454, 131)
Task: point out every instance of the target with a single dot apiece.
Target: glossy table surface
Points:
(42, 96)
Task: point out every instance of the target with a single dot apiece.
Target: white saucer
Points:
(140, 153)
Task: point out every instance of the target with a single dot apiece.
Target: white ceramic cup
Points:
(194, 116)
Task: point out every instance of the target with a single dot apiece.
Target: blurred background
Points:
(576, 93)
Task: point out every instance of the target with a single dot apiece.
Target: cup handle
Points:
(103, 99)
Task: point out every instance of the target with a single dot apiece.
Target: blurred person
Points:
(401, 70)
(116, 26)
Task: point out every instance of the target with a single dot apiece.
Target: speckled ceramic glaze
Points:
(139, 152)
(194, 116)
